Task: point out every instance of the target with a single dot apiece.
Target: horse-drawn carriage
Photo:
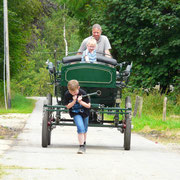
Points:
(103, 81)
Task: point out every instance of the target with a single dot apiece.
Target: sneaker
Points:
(84, 146)
(81, 150)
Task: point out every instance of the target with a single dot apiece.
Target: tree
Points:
(85, 11)
(148, 33)
(45, 36)
(21, 15)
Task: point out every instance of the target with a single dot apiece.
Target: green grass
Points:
(152, 113)
(155, 123)
(2, 172)
(3, 169)
(149, 123)
(19, 104)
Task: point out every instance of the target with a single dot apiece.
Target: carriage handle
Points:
(98, 92)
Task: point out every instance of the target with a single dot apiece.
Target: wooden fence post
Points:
(164, 108)
(136, 106)
(140, 106)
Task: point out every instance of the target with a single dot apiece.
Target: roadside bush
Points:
(33, 84)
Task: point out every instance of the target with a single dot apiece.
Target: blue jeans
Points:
(81, 123)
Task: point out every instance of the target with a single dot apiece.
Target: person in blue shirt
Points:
(89, 55)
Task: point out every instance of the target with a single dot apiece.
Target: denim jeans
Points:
(81, 123)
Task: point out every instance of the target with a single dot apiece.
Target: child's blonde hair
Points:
(91, 41)
(73, 85)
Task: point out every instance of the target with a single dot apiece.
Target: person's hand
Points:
(86, 58)
(74, 97)
(79, 99)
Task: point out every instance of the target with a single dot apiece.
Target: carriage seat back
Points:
(77, 58)
(91, 77)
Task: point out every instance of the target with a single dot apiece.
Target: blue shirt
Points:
(91, 56)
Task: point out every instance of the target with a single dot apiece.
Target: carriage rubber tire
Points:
(49, 136)
(127, 131)
(49, 103)
(45, 129)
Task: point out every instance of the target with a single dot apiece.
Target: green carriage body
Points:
(91, 77)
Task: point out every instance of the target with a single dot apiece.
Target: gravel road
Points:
(105, 158)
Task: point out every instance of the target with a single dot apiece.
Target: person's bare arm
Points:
(107, 53)
(86, 105)
(71, 104)
(79, 53)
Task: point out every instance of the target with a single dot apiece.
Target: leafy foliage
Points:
(147, 33)
(86, 11)
(34, 36)
(49, 39)
(21, 15)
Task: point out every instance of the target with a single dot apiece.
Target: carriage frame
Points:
(103, 82)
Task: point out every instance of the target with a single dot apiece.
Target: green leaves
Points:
(147, 33)
(143, 31)
(21, 15)
(35, 34)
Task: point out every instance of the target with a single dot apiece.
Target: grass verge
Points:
(3, 169)
(19, 104)
(156, 129)
(155, 123)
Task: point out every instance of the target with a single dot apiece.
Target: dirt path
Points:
(105, 158)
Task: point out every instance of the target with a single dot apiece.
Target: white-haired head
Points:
(97, 26)
(96, 31)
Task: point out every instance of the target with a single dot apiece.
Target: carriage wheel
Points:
(49, 102)
(45, 129)
(127, 131)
